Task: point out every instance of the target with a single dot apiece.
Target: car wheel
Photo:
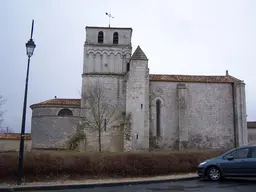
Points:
(214, 174)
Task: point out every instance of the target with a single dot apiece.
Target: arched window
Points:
(115, 38)
(65, 112)
(100, 37)
(158, 118)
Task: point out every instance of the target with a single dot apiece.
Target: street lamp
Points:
(30, 46)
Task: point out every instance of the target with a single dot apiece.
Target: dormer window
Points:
(115, 38)
(100, 37)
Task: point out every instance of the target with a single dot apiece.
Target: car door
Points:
(251, 162)
(236, 166)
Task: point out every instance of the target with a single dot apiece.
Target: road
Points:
(186, 186)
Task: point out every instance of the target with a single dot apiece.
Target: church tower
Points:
(106, 50)
(137, 99)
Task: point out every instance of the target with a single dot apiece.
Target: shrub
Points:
(41, 165)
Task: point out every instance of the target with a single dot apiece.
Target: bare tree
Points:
(99, 114)
(100, 111)
(2, 101)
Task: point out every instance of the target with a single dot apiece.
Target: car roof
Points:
(247, 146)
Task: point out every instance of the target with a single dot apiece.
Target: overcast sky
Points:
(179, 37)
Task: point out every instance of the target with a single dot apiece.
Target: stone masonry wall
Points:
(106, 57)
(51, 131)
(240, 114)
(113, 89)
(208, 114)
(137, 103)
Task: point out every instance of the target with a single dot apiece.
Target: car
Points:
(238, 162)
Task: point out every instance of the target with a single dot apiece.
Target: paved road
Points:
(187, 186)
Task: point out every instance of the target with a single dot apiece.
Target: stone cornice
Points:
(107, 46)
(103, 74)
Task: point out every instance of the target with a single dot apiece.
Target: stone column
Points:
(182, 116)
(240, 114)
(146, 119)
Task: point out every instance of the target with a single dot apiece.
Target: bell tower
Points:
(106, 50)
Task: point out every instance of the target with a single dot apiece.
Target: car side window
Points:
(240, 153)
(253, 152)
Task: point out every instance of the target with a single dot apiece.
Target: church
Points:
(166, 111)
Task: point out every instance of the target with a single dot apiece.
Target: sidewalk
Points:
(65, 184)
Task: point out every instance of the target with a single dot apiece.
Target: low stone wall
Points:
(11, 142)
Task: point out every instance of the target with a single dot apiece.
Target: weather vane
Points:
(109, 17)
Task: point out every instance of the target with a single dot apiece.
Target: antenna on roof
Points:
(109, 17)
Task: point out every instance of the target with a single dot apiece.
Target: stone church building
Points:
(178, 111)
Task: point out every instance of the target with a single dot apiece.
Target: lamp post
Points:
(30, 46)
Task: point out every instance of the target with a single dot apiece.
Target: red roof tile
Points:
(58, 101)
(14, 136)
(193, 78)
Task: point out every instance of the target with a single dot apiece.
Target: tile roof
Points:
(139, 54)
(58, 101)
(251, 124)
(14, 136)
(193, 78)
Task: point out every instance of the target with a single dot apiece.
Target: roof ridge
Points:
(188, 75)
(194, 78)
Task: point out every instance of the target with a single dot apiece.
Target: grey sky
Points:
(178, 37)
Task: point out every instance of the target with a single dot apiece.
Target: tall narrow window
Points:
(100, 37)
(158, 117)
(127, 66)
(105, 124)
(115, 38)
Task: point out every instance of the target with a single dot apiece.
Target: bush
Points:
(42, 165)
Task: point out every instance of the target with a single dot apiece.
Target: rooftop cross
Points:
(109, 17)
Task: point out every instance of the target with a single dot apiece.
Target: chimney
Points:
(227, 73)
(55, 97)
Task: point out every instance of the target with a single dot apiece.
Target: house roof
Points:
(194, 78)
(58, 101)
(14, 136)
(251, 124)
(139, 55)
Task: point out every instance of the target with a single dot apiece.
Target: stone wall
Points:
(49, 130)
(11, 142)
(114, 93)
(193, 115)
(240, 114)
(106, 57)
(137, 103)
(104, 60)
(14, 145)
(125, 35)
